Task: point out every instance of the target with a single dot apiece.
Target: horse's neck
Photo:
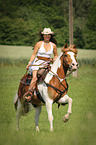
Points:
(57, 67)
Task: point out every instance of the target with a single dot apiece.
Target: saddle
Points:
(26, 80)
(41, 74)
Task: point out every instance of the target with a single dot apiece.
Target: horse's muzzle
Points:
(74, 66)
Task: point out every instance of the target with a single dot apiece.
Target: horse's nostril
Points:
(73, 64)
(77, 64)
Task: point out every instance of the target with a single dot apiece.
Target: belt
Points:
(43, 58)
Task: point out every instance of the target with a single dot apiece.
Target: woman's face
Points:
(47, 37)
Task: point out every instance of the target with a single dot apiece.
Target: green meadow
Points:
(81, 127)
(18, 52)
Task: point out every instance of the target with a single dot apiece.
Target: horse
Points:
(53, 89)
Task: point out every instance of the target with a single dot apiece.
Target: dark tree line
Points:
(21, 21)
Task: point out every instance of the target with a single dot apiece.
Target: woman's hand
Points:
(51, 60)
(27, 67)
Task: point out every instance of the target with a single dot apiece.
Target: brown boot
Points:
(28, 96)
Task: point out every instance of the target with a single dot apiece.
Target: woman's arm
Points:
(33, 54)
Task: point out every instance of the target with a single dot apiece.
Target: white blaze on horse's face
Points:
(74, 64)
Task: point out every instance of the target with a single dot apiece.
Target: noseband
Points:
(65, 62)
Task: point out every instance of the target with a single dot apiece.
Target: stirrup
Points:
(28, 95)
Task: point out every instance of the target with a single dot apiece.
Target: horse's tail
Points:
(15, 102)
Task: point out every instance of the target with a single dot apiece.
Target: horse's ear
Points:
(75, 50)
(74, 46)
(66, 46)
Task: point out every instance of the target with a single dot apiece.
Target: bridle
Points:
(60, 92)
(65, 62)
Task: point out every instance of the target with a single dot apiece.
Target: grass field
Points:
(18, 52)
(81, 128)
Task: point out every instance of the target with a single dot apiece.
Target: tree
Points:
(90, 31)
(20, 21)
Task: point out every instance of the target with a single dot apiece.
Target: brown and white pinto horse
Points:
(53, 89)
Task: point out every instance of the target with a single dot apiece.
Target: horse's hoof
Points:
(65, 119)
(37, 128)
(51, 129)
(17, 129)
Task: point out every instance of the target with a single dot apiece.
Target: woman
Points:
(42, 52)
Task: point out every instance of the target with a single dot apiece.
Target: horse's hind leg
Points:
(17, 106)
(66, 99)
(36, 118)
(19, 113)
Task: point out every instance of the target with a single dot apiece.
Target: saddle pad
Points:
(26, 80)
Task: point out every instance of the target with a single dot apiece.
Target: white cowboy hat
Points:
(47, 31)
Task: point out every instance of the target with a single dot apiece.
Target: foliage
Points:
(21, 21)
(90, 32)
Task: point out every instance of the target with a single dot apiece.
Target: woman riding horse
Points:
(42, 52)
(53, 89)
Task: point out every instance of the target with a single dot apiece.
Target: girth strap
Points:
(39, 96)
(60, 93)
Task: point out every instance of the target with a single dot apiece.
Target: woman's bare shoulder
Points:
(39, 43)
(54, 45)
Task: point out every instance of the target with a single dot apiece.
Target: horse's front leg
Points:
(36, 118)
(50, 116)
(66, 99)
(49, 103)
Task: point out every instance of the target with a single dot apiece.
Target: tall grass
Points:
(15, 52)
(81, 128)
(17, 55)
(91, 62)
(10, 61)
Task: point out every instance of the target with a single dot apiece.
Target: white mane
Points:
(54, 68)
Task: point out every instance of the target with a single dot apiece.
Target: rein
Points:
(56, 89)
(59, 80)
(64, 77)
(60, 93)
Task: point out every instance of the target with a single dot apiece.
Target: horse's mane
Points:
(57, 63)
(70, 48)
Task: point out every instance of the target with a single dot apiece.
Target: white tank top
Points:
(43, 53)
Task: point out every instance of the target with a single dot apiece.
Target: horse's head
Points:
(69, 57)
